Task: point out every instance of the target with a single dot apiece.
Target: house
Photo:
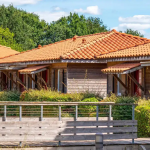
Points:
(102, 63)
(5, 52)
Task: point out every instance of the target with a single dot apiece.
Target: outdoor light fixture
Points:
(99, 141)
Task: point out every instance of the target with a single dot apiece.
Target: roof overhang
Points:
(10, 68)
(33, 70)
(146, 63)
(124, 68)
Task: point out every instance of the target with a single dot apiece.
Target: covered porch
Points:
(126, 79)
(33, 77)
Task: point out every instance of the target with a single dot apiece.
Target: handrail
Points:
(18, 103)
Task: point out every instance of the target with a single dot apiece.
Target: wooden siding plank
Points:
(63, 137)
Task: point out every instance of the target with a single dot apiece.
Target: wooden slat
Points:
(63, 137)
(50, 131)
(69, 123)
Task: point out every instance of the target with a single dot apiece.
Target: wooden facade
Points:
(79, 77)
(87, 77)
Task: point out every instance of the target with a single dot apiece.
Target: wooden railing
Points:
(61, 129)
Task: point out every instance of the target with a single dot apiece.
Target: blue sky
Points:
(116, 14)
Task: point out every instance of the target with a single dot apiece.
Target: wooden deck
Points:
(139, 141)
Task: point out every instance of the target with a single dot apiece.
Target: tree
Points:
(67, 27)
(27, 28)
(7, 39)
(133, 32)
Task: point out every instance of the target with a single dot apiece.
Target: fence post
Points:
(99, 141)
(110, 112)
(97, 112)
(110, 115)
(41, 118)
(59, 120)
(20, 113)
(133, 107)
(20, 119)
(4, 117)
(76, 115)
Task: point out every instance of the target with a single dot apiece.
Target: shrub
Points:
(142, 114)
(9, 96)
(54, 96)
(121, 112)
(90, 110)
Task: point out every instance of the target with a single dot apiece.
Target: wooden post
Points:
(133, 107)
(144, 79)
(4, 117)
(39, 77)
(118, 79)
(59, 120)
(8, 76)
(20, 119)
(38, 85)
(136, 82)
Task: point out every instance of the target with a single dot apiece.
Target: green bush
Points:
(88, 110)
(9, 96)
(121, 112)
(54, 96)
(142, 115)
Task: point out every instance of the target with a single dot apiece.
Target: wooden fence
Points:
(53, 129)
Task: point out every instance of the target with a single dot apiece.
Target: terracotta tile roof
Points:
(83, 47)
(7, 51)
(120, 68)
(114, 42)
(31, 69)
(55, 50)
(141, 50)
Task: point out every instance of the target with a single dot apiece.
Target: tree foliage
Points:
(27, 27)
(133, 32)
(7, 39)
(67, 27)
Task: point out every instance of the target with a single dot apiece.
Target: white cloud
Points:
(51, 16)
(18, 2)
(57, 8)
(94, 10)
(142, 19)
(141, 23)
(124, 26)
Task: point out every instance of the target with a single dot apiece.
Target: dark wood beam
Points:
(3, 83)
(118, 79)
(41, 79)
(34, 81)
(19, 81)
(9, 77)
(135, 81)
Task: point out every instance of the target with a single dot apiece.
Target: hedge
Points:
(142, 115)
(121, 112)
